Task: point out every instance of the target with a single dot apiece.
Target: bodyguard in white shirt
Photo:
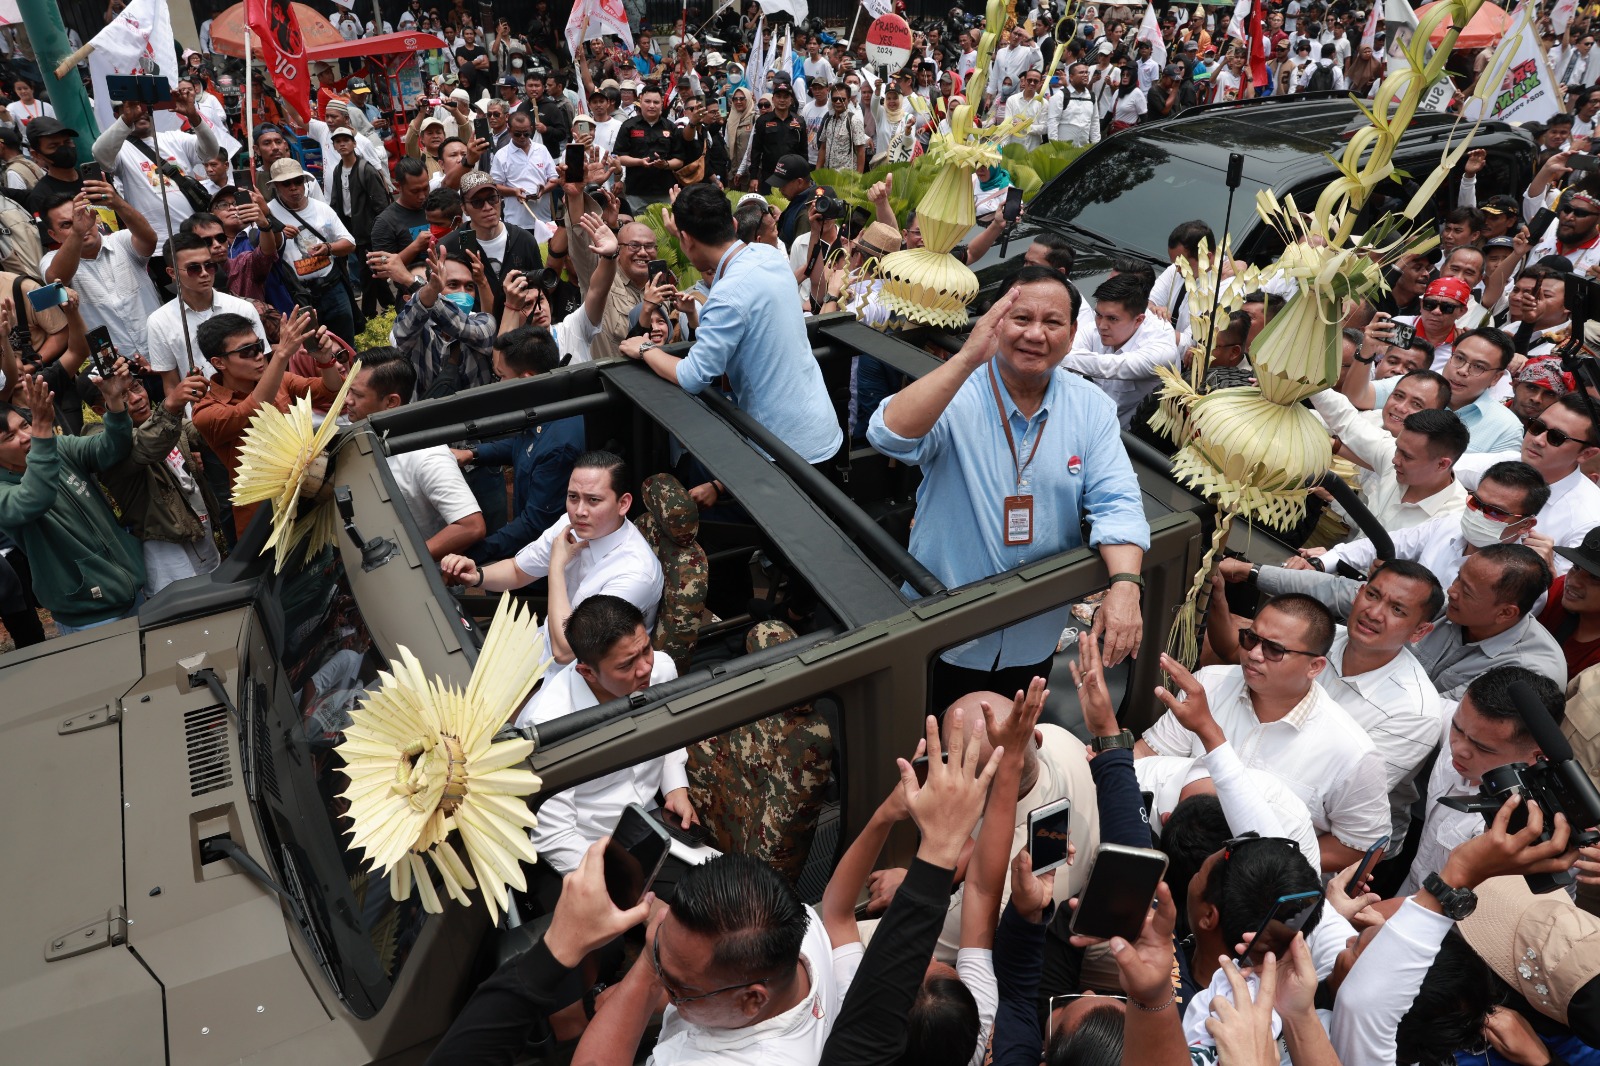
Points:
(525, 173)
(614, 659)
(1279, 720)
(1118, 346)
(592, 549)
(1073, 116)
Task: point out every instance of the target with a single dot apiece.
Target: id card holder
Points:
(1018, 520)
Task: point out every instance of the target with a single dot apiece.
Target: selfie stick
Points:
(1235, 178)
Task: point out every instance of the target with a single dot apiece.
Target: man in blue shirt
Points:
(751, 329)
(1015, 452)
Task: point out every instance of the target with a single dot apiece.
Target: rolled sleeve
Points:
(674, 770)
(1169, 737)
(913, 450)
(715, 343)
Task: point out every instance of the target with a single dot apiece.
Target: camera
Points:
(547, 279)
(830, 208)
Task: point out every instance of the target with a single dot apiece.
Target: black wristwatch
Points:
(1123, 739)
(1457, 904)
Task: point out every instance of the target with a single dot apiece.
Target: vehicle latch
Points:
(109, 931)
(94, 719)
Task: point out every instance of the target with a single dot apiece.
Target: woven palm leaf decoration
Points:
(427, 776)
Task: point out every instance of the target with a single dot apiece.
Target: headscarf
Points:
(1547, 374)
(740, 126)
(1451, 289)
(998, 179)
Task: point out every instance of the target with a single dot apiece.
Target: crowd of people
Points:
(518, 224)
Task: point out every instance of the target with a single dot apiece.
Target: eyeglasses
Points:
(246, 351)
(1271, 650)
(677, 999)
(639, 246)
(1443, 307)
(1557, 437)
(194, 270)
(215, 238)
(484, 200)
(1475, 369)
(1493, 514)
(1575, 212)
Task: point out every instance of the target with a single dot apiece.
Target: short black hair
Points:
(1450, 1007)
(1438, 380)
(1137, 268)
(1194, 829)
(1419, 343)
(1490, 693)
(1499, 338)
(1097, 1040)
(1412, 570)
(1033, 273)
(529, 350)
(212, 335)
(408, 166)
(702, 211)
(183, 242)
(199, 218)
(942, 1025)
(1447, 434)
(443, 199)
(1319, 621)
(747, 219)
(1578, 404)
(53, 200)
(1126, 291)
(1469, 215)
(1188, 235)
(599, 459)
(748, 911)
(392, 373)
(1524, 577)
(1515, 474)
(595, 625)
(1244, 885)
(1058, 252)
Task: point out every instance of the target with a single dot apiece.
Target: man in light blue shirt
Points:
(1476, 363)
(751, 329)
(997, 494)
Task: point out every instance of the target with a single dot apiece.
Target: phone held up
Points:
(1049, 835)
(634, 856)
(1116, 900)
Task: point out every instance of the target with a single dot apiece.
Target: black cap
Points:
(789, 168)
(47, 126)
(1587, 554)
(11, 135)
(1501, 205)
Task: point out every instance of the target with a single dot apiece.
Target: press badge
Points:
(1019, 520)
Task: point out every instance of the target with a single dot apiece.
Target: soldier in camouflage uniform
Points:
(670, 524)
(760, 788)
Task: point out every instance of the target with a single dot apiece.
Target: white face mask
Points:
(1479, 531)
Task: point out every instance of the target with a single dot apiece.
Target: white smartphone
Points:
(1049, 833)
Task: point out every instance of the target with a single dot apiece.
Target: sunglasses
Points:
(484, 200)
(1566, 209)
(247, 351)
(1493, 514)
(1274, 652)
(194, 270)
(1444, 307)
(1557, 437)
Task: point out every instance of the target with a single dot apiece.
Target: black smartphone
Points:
(575, 162)
(91, 171)
(311, 320)
(1373, 856)
(919, 767)
(1287, 917)
(657, 268)
(102, 353)
(1583, 298)
(1402, 334)
(1583, 162)
(1539, 223)
(1116, 900)
(1013, 208)
(634, 855)
(1049, 834)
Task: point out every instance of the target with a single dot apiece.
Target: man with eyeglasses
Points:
(1576, 66)
(1029, 103)
(108, 270)
(523, 171)
(1475, 367)
(841, 139)
(501, 248)
(195, 272)
(1270, 708)
(636, 247)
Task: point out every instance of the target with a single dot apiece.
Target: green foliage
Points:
(667, 246)
(376, 335)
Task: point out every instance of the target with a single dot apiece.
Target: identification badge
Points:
(311, 264)
(1019, 520)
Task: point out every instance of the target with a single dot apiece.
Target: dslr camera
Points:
(830, 208)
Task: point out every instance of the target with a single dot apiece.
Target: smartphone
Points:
(657, 268)
(1013, 208)
(1584, 162)
(47, 296)
(311, 320)
(1287, 917)
(1049, 833)
(1116, 900)
(91, 171)
(102, 353)
(1373, 856)
(575, 162)
(1539, 223)
(919, 767)
(1402, 334)
(144, 88)
(634, 855)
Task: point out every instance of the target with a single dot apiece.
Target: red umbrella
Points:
(228, 30)
(1485, 30)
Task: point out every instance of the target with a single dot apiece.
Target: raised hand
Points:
(1089, 676)
(189, 390)
(1193, 712)
(948, 806)
(585, 916)
(1015, 734)
(1145, 965)
(601, 239)
(1243, 1028)
(984, 340)
(34, 394)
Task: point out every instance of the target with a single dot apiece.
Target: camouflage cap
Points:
(671, 506)
(767, 635)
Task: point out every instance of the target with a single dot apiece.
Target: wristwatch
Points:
(1132, 578)
(1255, 573)
(1457, 904)
(1123, 739)
(1367, 362)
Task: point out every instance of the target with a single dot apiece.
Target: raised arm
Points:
(914, 410)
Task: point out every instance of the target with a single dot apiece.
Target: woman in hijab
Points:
(989, 187)
(741, 120)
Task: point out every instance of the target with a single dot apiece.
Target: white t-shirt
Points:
(434, 488)
(136, 178)
(605, 134)
(26, 113)
(296, 253)
(115, 292)
(165, 332)
(494, 249)
(573, 335)
(793, 1038)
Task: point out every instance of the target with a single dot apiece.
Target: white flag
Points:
(1369, 33)
(1241, 18)
(139, 41)
(1562, 14)
(1527, 90)
(878, 8)
(597, 18)
(799, 10)
(1149, 31)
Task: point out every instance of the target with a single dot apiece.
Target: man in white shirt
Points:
(317, 243)
(523, 171)
(190, 265)
(1118, 346)
(119, 151)
(818, 71)
(1481, 733)
(108, 270)
(1073, 117)
(1371, 672)
(1029, 104)
(969, 55)
(436, 492)
(614, 659)
(593, 549)
(1272, 711)
(1019, 55)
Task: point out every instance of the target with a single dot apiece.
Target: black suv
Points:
(1123, 197)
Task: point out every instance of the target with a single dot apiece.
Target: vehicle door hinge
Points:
(106, 932)
(111, 712)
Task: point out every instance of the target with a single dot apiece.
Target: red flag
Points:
(1258, 47)
(282, 51)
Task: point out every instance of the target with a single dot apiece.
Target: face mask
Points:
(63, 157)
(1480, 532)
(440, 232)
(463, 300)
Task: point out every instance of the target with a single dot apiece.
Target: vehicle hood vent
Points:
(205, 735)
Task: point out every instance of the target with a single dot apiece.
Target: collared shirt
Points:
(752, 330)
(1572, 511)
(1443, 828)
(530, 171)
(1317, 750)
(1492, 425)
(1126, 374)
(573, 819)
(1080, 470)
(1453, 663)
(1399, 708)
(434, 488)
(115, 291)
(1437, 544)
(427, 334)
(1073, 117)
(618, 564)
(164, 332)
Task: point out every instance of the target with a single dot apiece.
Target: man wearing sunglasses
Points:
(1270, 708)
(523, 171)
(1576, 234)
(501, 248)
(190, 264)
(1444, 303)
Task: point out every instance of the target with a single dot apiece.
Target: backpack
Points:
(1321, 79)
(20, 243)
(25, 168)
